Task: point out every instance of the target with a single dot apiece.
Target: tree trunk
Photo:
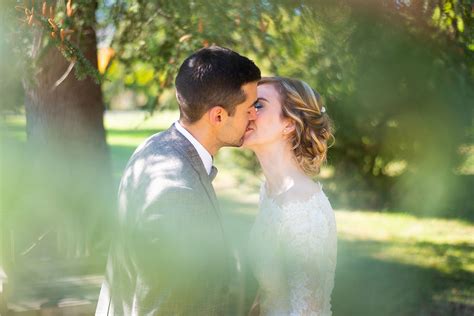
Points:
(66, 174)
(71, 113)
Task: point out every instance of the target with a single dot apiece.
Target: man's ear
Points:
(217, 115)
(289, 126)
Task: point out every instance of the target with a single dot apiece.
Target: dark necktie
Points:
(213, 173)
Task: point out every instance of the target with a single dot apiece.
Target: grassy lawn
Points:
(388, 263)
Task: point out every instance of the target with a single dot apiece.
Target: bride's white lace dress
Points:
(293, 249)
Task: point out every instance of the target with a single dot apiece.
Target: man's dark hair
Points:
(213, 76)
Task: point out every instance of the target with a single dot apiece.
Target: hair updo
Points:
(313, 127)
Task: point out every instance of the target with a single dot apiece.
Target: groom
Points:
(169, 255)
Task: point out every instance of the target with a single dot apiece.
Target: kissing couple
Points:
(170, 254)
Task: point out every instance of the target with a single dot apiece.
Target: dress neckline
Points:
(288, 205)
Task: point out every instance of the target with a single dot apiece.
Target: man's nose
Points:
(253, 114)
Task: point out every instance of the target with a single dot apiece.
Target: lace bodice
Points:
(293, 250)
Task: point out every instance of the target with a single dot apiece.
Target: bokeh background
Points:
(80, 92)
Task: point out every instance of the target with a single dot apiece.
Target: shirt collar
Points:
(203, 153)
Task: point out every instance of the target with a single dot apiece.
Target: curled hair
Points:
(313, 127)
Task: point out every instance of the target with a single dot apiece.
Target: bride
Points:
(293, 243)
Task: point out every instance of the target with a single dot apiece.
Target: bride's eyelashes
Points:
(258, 106)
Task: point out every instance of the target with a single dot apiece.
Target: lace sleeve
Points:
(309, 244)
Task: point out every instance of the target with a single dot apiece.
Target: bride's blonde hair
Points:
(313, 127)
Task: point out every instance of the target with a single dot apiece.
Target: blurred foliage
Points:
(10, 84)
(55, 193)
(400, 96)
(54, 225)
(396, 77)
(434, 256)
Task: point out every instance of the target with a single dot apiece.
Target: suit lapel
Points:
(183, 145)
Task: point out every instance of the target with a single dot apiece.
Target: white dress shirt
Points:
(203, 153)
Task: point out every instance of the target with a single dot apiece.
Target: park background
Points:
(81, 91)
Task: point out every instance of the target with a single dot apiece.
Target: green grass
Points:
(388, 263)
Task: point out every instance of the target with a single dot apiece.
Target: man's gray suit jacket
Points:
(169, 255)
